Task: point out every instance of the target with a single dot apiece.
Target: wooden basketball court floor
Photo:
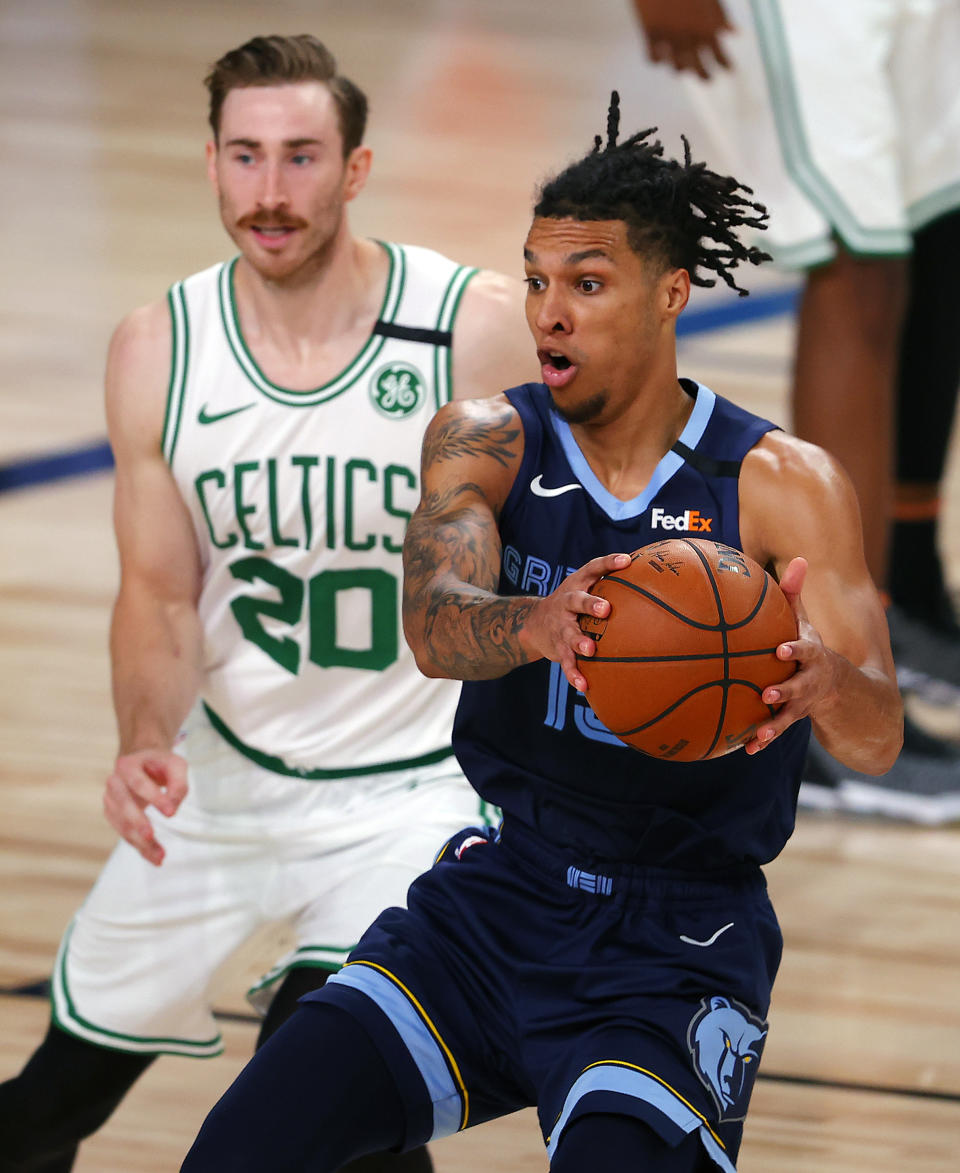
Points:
(104, 204)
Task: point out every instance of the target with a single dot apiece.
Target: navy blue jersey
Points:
(530, 743)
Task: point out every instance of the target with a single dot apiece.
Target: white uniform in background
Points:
(843, 116)
(320, 770)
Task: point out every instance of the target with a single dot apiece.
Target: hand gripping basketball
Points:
(689, 645)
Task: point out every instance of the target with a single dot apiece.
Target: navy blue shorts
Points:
(517, 978)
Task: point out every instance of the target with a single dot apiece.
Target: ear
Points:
(211, 152)
(356, 171)
(674, 292)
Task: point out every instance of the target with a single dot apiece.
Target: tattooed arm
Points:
(453, 618)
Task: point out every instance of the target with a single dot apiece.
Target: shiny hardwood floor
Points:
(104, 202)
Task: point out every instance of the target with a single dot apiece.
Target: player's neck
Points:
(303, 329)
(625, 452)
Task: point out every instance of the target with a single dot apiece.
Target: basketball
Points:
(687, 649)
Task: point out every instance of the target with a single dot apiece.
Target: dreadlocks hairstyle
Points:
(681, 215)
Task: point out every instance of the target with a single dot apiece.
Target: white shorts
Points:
(247, 848)
(843, 116)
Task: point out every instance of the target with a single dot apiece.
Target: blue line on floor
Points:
(55, 466)
(738, 312)
(97, 457)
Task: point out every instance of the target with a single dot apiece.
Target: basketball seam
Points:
(677, 658)
(724, 684)
(722, 625)
(721, 663)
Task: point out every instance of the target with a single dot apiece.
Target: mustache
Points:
(270, 220)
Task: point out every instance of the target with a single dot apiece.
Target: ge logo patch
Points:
(397, 389)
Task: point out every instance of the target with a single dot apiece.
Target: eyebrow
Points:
(290, 143)
(586, 254)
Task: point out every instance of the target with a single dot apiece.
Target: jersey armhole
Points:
(532, 428)
(449, 308)
(176, 388)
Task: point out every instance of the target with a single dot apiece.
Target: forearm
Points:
(155, 650)
(464, 632)
(860, 722)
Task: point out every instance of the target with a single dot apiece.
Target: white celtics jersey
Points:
(300, 500)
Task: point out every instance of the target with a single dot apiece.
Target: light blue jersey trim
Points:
(443, 1092)
(670, 464)
(640, 1086)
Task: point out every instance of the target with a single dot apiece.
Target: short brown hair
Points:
(276, 60)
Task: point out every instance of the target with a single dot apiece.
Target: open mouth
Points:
(553, 358)
(557, 369)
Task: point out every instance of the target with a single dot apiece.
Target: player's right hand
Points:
(552, 628)
(145, 778)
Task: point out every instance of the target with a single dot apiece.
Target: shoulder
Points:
(138, 370)
(492, 345)
(783, 463)
(494, 295)
(474, 444)
(142, 335)
(461, 425)
(484, 431)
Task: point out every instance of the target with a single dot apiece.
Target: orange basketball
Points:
(687, 649)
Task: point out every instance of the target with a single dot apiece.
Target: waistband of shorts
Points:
(615, 877)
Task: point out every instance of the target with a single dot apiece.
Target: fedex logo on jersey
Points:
(691, 520)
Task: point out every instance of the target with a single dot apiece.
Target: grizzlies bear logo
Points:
(726, 1041)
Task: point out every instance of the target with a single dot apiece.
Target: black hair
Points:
(680, 214)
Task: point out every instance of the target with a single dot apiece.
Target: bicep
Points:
(155, 538)
(804, 505)
(471, 451)
(452, 537)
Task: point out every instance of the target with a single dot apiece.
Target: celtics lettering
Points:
(307, 501)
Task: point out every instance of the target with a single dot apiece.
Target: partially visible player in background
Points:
(847, 118)
(609, 955)
(266, 420)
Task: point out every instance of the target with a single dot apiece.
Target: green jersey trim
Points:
(65, 1016)
(796, 151)
(936, 204)
(279, 766)
(396, 279)
(179, 360)
(326, 957)
(443, 357)
(806, 255)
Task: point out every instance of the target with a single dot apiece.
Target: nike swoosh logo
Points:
(204, 418)
(709, 940)
(537, 488)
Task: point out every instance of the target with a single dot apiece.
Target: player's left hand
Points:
(816, 676)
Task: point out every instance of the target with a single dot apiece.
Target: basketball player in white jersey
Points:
(281, 758)
(846, 116)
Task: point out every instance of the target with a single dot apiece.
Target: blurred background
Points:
(105, 203)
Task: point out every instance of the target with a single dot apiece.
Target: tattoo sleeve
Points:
(451, 555)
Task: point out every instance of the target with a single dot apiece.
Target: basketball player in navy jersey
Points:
(608, 955)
